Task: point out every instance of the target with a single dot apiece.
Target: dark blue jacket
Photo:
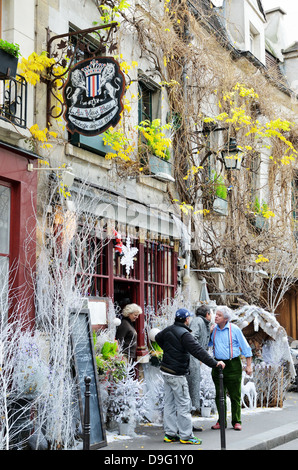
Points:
(177, 344)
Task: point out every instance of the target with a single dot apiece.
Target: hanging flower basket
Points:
(8, 64)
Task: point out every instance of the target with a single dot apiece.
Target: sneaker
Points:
(171, 438)
(191, 440)
(237, 427)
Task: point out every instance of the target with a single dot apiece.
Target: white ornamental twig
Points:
(129, 253)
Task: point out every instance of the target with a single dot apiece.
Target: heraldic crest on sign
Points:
(92, 95)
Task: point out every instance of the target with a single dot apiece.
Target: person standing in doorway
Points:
(126, 333)
(178, 344)
(228, 344)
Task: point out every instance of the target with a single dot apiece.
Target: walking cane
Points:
(222, 423)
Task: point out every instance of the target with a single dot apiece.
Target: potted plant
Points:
(260, 212)
(9, 57)
(207, 404)
(156, 354)
(207, 392)
(122, 394)
(127, 401)
(111, 367)
(154, 146)
(220, 203)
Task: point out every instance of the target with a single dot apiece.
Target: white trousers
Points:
(177, 407)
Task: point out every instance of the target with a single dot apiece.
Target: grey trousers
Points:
(177, 415)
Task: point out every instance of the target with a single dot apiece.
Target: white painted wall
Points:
(242, 18)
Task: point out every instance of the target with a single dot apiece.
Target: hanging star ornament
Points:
(128, 256)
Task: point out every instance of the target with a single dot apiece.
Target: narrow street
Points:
(262, 429)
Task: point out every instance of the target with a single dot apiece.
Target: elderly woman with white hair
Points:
(229, 344)
(126, 333)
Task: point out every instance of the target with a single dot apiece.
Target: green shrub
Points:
(10, 48)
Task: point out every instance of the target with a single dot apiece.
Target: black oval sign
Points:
(93, 96)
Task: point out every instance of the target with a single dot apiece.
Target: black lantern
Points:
(232, 155)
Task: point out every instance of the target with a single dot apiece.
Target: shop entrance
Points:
(125, 292)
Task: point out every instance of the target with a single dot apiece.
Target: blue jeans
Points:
(177, 415)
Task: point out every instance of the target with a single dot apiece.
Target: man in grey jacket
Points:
(200, 326)
(178, 344)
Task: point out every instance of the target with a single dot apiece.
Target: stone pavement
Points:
(262, 429)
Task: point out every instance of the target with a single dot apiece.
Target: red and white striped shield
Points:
(93, 85)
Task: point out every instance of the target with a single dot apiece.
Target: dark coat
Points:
(127, 337)
(178, 343)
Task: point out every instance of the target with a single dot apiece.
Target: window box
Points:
(260, 222)
(8, 64)
(220, 206)
(159, 165)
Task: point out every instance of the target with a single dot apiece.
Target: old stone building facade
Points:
(157, 204)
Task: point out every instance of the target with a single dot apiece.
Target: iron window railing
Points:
(13, 100)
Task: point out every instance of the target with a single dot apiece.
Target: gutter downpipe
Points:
(186, 277)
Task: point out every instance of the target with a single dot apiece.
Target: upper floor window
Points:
(254, 41)
(245, 22)
(149, 109)
(149, 99)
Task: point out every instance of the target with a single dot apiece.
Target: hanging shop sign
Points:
(93, 96)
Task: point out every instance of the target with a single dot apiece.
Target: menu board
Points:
(85, 366)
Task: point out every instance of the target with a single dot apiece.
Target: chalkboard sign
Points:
(85, 366)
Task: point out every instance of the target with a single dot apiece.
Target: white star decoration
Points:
(128, 255)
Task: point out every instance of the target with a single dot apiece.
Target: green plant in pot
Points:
(156, 354)
(259, 214)
(155, 140)
(9, 57)
(220, 187)
(260, 209)
(220, 203)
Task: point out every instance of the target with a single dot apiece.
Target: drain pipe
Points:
(186, 277)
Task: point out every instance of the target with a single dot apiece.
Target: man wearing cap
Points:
(178, 344)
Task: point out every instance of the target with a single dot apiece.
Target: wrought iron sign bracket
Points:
(67, 49)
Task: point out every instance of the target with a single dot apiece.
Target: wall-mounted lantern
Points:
(232, 155)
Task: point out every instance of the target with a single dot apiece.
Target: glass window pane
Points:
(4, 219)
(4, 264)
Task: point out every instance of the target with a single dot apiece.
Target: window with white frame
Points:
(254, 41)
(149, 98)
